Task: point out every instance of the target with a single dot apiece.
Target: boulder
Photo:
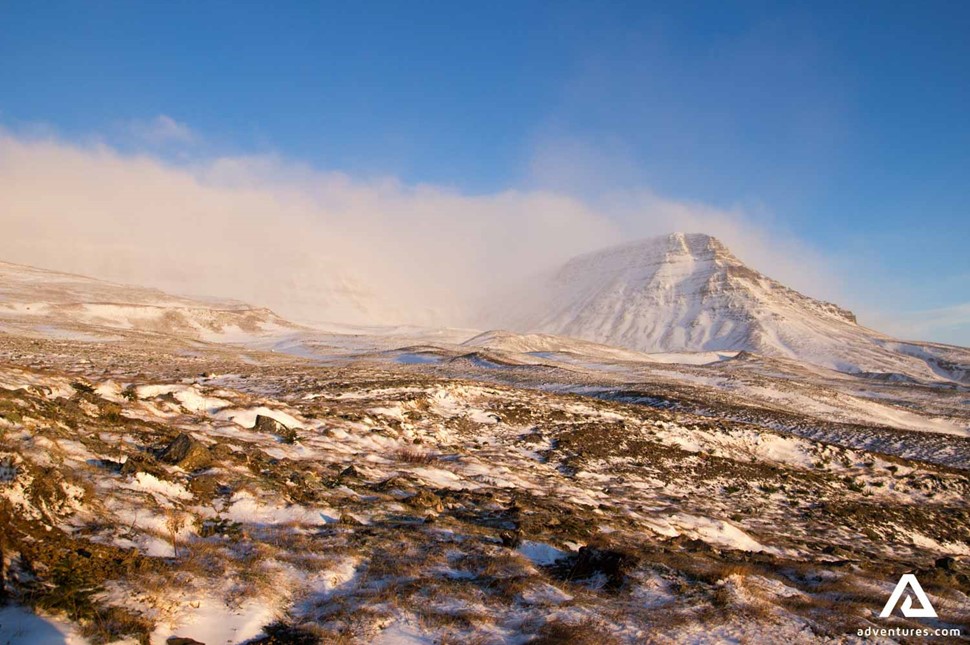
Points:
(269, 425)
(187, 453)
(590, 561)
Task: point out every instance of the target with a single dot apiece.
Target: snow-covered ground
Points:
(178, 468)
(519, 496)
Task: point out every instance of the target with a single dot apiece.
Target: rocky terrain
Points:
(273, 484)
(225, 494)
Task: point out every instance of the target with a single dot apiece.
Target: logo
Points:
(925, 610)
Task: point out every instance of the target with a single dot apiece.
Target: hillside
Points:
(688, 292)
(66, 305)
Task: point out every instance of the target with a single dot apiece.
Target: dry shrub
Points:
(204, 558)
(174, 522)
(587, 632)
(113, 623)
(415, 456)
(722, 597)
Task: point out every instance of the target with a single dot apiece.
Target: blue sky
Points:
(844, 125)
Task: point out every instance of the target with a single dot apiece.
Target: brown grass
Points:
(112, 623)
(415, 456)
(587, 632)
(204, 558)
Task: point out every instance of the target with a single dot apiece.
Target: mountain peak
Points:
(693, 241)
(699, 246)
(665, 248)
(685, 292)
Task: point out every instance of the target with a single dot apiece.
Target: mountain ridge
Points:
(673, 295)
(689, 292)
(71, 302)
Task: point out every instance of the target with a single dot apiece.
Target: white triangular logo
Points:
(925, 609)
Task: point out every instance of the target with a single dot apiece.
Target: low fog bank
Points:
(323, 246)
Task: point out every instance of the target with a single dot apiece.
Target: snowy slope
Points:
(688, 292)
(547, 344)
(66, 305)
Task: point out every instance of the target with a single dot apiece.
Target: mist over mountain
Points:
(67, 305)
(673, 294)
(688, 292)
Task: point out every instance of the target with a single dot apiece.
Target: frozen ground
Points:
(431, 487)
(175, 468)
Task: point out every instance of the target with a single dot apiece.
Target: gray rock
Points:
(187, 453)
(269, 425)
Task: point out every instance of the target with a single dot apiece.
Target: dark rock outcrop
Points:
(187, 453)
(947, 563)
(590, 561)
(511, 539)
(269, 425)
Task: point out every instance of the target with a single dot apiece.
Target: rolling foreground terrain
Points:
(181, 471)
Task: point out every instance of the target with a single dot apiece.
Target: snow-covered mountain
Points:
(63, 304)
(670, 295)
(688, 292)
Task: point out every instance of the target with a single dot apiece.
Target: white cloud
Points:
(162, 130)
(322, 245)
(604, 172)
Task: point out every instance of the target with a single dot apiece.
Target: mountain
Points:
(688, 292)
(671, 295)
(66, 305)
